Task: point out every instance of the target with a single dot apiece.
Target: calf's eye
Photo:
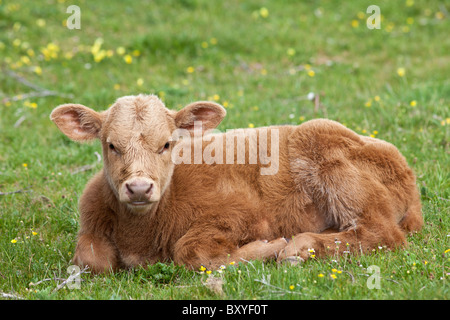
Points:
(111, 147)
(166, 146)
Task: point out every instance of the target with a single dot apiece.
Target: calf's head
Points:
(136, 136)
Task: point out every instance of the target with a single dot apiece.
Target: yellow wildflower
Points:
(263, 71)
(355, 23)
(251, 125)
(291, 287)
(100, 55)
(116, 86)
(413, 103)
(333, 276)
(120, 51)
(13, 241)
(33, 233)
(439, 15)
(447, 251)
(216, 97)
(232, 263)
(377, 98)
(291, 51)
(213, 41)
(320, 275)
(40, 23)
(136, 53)
(401, 72)
(264, 12)
(128, 59)
(140, 82)
(24, 165)
(311, 73)
(202, 268)
(190, 69)
(208, 272)
(68, 55)
(204, 44)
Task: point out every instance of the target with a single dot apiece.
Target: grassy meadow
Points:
(267, 63)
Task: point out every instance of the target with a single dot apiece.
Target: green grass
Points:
(256, 66)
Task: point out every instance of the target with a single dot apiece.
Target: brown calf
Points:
(328, 184)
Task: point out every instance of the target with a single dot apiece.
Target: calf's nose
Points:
(139, 190)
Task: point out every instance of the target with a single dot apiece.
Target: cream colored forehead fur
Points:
(138, 117)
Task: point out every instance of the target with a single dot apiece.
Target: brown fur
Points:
(331, 185)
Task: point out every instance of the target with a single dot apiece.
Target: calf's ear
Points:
(206, 113)
(78, 122)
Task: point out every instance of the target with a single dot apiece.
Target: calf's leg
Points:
(97, 253)
(214, 248)
(366, 236)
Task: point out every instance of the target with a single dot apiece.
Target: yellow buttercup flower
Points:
(13, 241)
(264, 12)
(120, 51)
(190, 69)
(128, 59)
(401, 72)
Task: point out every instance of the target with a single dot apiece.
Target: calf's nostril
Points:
(129, 188)
(149, 188)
